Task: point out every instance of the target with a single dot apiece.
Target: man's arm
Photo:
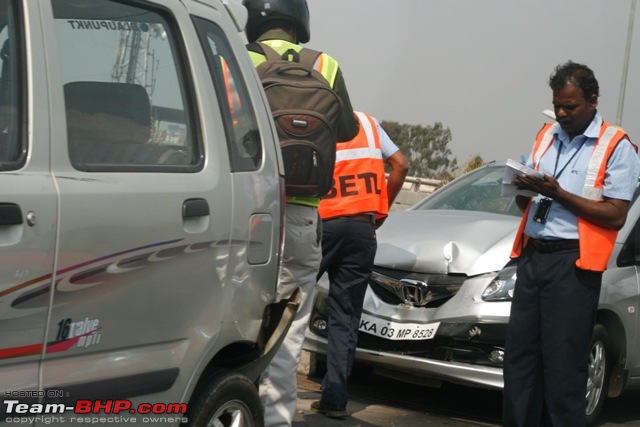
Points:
(349, 123)
(610, 213)
(399, 169)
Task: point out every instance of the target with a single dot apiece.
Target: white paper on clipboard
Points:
(512, 169)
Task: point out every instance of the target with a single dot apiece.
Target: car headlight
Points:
(501, 287)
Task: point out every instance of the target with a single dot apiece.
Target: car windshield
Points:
(478, 190)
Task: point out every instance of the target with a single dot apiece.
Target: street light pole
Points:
(625, 67)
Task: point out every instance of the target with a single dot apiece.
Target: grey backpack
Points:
(306, 111)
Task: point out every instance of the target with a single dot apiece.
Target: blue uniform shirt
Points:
(620, 181)
(387, 146)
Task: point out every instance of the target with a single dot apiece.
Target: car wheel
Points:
(227, 399)
(598, 368)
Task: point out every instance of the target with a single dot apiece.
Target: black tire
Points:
(227, 399)
(599, 371)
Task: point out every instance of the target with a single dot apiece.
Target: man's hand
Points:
(608, 213)
(547, 186)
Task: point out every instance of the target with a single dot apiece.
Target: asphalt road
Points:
(382, 402)
(367, 411)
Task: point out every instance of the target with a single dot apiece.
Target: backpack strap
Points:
(306, 56)
(269, 52)
(309, 57)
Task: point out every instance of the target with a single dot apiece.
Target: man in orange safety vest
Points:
(351, 212)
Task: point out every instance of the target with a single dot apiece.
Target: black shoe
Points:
(328, 410)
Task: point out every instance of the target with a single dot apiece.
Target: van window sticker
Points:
(92, 24)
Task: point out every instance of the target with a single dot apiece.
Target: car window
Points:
(126, 97)
(12, 87)
(478, 190)
(243, 137)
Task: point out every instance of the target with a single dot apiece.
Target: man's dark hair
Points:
(574, 73)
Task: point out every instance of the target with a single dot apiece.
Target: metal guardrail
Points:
(414, 190)
(415, 183)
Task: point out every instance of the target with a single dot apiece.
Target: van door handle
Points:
(10, 214)
(194, 208)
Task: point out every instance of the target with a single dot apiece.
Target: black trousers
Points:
(348, 250)
(548, 340)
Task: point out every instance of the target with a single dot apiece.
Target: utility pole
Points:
(625, 67)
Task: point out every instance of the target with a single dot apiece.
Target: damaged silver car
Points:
(438, 301)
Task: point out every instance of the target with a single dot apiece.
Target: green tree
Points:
(473, 163)
(426, 148)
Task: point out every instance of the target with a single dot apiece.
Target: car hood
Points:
(445, 241)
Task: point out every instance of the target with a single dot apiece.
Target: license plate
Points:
(397, 331)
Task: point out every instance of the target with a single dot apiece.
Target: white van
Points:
(141, 198)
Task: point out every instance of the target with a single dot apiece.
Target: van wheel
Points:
(227, 399)
(598, 381)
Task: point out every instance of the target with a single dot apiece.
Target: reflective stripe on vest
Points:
(359, 181)
(596, 243)
(609, 137)
(325, 65)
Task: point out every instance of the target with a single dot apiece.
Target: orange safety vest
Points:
(596, 243)
(359, 182)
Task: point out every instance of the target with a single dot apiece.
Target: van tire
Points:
(599, 371)
(226, 397)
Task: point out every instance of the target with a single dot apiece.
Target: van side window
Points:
(243, 137)
(126, 98)
(12, 88)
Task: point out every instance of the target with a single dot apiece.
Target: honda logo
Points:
(415, 292)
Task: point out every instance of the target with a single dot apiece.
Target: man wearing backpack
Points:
(282, 25)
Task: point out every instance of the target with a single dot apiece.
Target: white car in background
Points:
(438, 301)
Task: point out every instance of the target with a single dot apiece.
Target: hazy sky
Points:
(480, 67)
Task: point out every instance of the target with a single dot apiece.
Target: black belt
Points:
(548, 246)
(359, 217)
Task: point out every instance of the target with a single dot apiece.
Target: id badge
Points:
(544, 205)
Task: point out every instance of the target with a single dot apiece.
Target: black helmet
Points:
(261, 11)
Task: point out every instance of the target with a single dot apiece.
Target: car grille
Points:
(418, 290)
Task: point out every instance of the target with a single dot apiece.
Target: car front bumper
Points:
(427, 369)
(467, 346)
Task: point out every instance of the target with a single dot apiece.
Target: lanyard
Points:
(566, 164)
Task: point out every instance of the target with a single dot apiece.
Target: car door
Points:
(28, 199)
(620, 291)
(145, 201)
